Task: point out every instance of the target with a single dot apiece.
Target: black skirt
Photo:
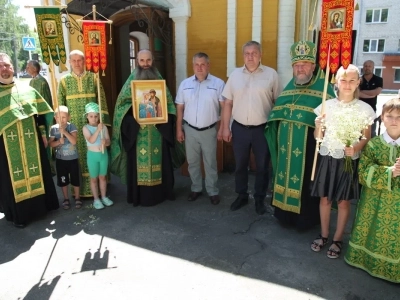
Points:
(333, 182)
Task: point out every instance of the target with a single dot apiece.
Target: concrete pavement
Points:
(176, 250)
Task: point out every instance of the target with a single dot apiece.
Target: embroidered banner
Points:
(94, 39)
(49, 27)
(336, 31)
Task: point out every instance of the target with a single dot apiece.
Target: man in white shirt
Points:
(250, 94)
(197, 104)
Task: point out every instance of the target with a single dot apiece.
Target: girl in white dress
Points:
(343, 129)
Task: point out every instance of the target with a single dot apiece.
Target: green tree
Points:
(12, 28)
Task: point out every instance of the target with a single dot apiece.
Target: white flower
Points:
(345, 127)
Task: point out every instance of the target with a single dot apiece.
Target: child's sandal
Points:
(332, 252)
(316, 245)
(78, 203)
(66, 204)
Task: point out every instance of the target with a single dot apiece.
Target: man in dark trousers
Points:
(250, 94)
(370, 87)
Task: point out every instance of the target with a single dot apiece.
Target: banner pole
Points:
(98, 89)
(319, 132)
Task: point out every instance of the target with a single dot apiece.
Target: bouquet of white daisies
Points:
(344, 128)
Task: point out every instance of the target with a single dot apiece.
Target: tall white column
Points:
(181, 46)
(231, 37)
(257, 21)
(286, 29)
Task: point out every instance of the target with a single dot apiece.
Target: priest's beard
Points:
(146, 74)
(304, 80)
(6, 78)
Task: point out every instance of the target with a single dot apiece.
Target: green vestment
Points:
(40, 84)
(148, 142)
(18, 131)
(374, 244)
(287, 133)
(75, 92)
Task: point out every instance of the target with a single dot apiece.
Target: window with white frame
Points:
(397, 75)
(133, 46)
(374, 45)
(378, 71)
(378, 15)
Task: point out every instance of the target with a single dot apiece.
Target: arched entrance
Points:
(147, 29)
(144, 24)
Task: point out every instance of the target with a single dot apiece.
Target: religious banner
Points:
(336, 32)
(94, 39)
(49, 27)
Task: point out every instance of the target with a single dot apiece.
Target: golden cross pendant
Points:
(291, 110)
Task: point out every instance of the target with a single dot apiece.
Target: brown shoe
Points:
(214, 199)
(193, 196)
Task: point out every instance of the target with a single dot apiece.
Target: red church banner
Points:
(336, 32)
(94, 39)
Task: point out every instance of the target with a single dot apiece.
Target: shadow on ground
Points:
(240, 243)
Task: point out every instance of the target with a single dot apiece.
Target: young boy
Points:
(63, 139)
(375, 240)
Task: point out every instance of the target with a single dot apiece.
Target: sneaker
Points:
(97, 204)
(107, 201)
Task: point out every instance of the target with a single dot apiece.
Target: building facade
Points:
(379, 39)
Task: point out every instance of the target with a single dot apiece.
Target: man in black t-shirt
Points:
(370, 87)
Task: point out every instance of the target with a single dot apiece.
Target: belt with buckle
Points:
(202, 128)
(249, 126)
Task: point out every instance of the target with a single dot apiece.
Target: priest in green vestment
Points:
(75, 90)
(141, 154)
(290, 136)
(26, 185)
(39, 83)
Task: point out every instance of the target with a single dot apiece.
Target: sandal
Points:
(66, 204)
(316, 245)
(78, 203)
(332, 252)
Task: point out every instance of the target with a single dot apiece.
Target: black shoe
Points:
(171, 197)
(239, 203)
(260, 206)
(193, 196)
(215, 199)
(19, 225)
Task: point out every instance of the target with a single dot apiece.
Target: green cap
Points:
(91, 107)
(303, 51)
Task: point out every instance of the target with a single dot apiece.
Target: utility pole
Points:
(13, 41)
